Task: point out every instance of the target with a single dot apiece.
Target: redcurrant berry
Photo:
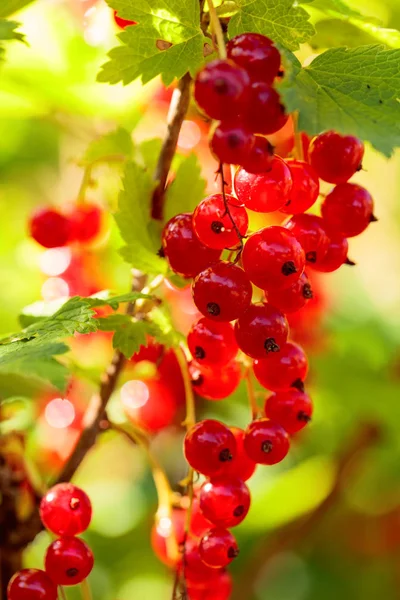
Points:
(194, 568)
(260, 330)
(212, 343)
(122, 23)
(310, 230)
(265, 113)
(273, 258)
(149, 403)
(231, 142)
(222, 89)
(284, 370)
(31, 584)
(165, 528)
(257, 54)
(50, 228)
(86, 223)
(336, 255)
(68, 561)
(265, 192)
(292, 409)
(305, 190)
(66, 510)
(225, 501)
(241, 466)
(221, 588)
(347, 209)
(266, 442)
(215, 384)
(218, 548)
(186, 255)
(293, 298)
(222, 292)
(335, 157)
(260, 156)
(208, 446)
(215, 226)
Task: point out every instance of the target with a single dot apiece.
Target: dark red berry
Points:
(260, 156)
(257, 54)
(265, 113)
(212, 343)
(231, 142)
(292, 409)
(66, 510)
(241, 466)
(336, 255)
(214, 227)
(225, 501)
(218, 548)
(208, 446)
(293, 298)
(310, 230)
(50, 228)
(266, 442)
(221, 588)
(335, 157)
(265, 192)
(68, 561)
(260, 330)
(86, 222)
(284, 370)
(347, 209)
(305, 190)
(31, 584)
(273, 258)
(222, 292)
(186, 255)
(122, 23)
(215, 383)
(222, 89)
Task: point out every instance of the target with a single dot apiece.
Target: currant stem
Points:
(62, 593)
(298, 143)
(86, 591)
(228, 212)
(251, 393)
(190, 419)
(86, 181)
(217, 30)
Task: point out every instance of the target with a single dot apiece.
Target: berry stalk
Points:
(86, 591)
(217, 30)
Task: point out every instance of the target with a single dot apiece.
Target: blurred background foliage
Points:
(51, 108)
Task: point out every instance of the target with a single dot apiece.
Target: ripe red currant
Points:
(273, 258)
(266, 442)
(336, 255)
(292, 409)
(305, 190)
(50, 228)
(221, 588)
(241, 466)
(31, 584)
(231, 142)
(86, 223)
(222, 292)
(66, 510)
(225, 501)
(161, 531)
(335, 157)
(208, 446)
(265, 192)
(260, 330)
(265, 113)
(68, 561)
(186, 255)
(347, 209)
(284, 370)
(257, 54)
(122, 23)
(212, 343)
(215, 383)
(215, 227)
(194, 568)
(310, 230)
(222, 89)
(260, 156)
(218, 548)
(149, 403)
(293, 298)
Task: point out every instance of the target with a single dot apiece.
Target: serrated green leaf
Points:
(129, 334)
(8, 31)
(133, 219)
(167, 41)
(9, 7)
(161, 327)
(280, 20)
(117, 144)
(353, 91)
(186, 190)
(332, 33)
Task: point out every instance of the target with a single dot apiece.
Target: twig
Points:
(250, 394)
(228, 212)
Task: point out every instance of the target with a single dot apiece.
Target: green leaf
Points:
(353, 91)
(352, 33)
(7, 31)
(167, 41)
(161, 327)
(133, 219)
(9, 7)
(339, 9)
(280, 20)
(129, 334)
(115, 145)
(187, 189)
(19, 420)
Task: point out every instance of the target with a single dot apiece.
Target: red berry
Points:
(221, 588)
(31, 584)
(50, 228)
(86, 222)
(68, 561)
(231, 142)
(221, 89)
(265, 192)
(261, 330)
(186, 255)
(273, 258)
(336, 255)
(265, 113)
(212, 343)
(218, 548)
(225, 501)
(257, 54)
(195, 569)
(241, 466)
(217, 383)
(149, 403)
(213, 225)
(293, 298)
(292, 409)
(347, 209)
(222, 292)
(260, 156)
(66, 510)
(208, 446)
(305, 190)
(335, 157)
(122, 23)
(266, 442)
(310, 230)
(165, 528)
(284, 370)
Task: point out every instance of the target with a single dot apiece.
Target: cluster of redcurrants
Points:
(65, 511)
